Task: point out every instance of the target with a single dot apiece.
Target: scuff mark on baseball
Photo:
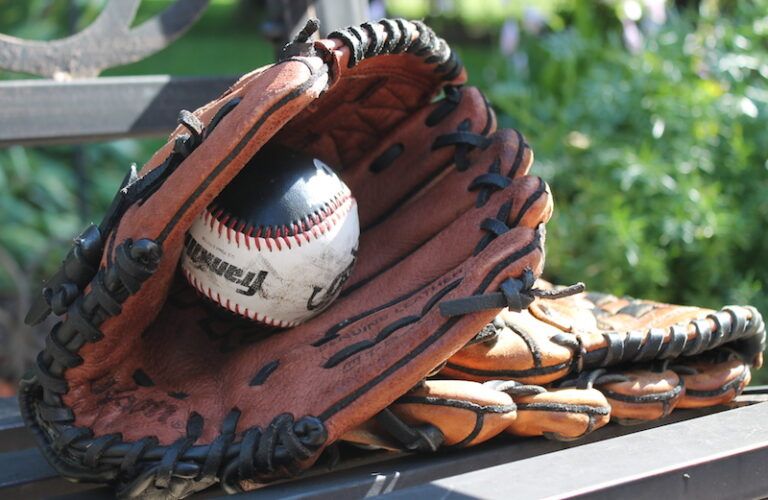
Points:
(278, 243)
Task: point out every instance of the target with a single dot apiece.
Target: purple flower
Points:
(509, 38)
(633, 37)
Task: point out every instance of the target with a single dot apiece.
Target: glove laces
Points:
(515, 294)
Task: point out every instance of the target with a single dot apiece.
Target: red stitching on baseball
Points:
(238, 232)
(236, 309)
(312, 226)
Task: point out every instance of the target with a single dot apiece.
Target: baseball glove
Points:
(568, 365)
(145, 385)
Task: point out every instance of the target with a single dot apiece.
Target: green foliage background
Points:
(657, 154)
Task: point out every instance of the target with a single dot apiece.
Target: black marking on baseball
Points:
(278, 242)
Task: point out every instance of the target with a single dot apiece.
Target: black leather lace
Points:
(731, 326)
(514, 294)
(364, 42)
(410, 437)
(81, 263)
(143, 467)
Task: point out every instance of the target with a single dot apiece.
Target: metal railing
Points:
(73, 105)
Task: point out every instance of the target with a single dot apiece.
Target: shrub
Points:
(657, 157)
(658, 160)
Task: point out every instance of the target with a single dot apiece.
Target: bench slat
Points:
(425, 473)
(355, 477)
(46, 111)
(718, 456)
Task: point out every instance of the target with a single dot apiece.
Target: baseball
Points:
(278, 242)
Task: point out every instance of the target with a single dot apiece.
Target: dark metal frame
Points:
(109, 41)
(711, 453)
(76, 107)
(45, 111)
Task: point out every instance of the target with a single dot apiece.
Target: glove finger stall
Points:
(519, 348)
(712, 383)
(561, 414)
(642, 395)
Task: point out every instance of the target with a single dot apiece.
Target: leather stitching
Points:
(276, 238)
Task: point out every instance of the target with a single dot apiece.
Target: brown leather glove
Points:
(145, 385)
(565, 366)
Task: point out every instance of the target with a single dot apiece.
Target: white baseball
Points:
(281, 276)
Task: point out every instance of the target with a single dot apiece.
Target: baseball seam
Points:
(235, 308)
(274, 238)
(310, 227)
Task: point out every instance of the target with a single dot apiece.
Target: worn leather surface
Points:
(710, 384)
(645, 395)
(361, 106)
(448, 211)
(522, 351)
(553, 360)
(447, 197)
(457, 408)
(194, 358)
(564, 414)
(527, 348)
